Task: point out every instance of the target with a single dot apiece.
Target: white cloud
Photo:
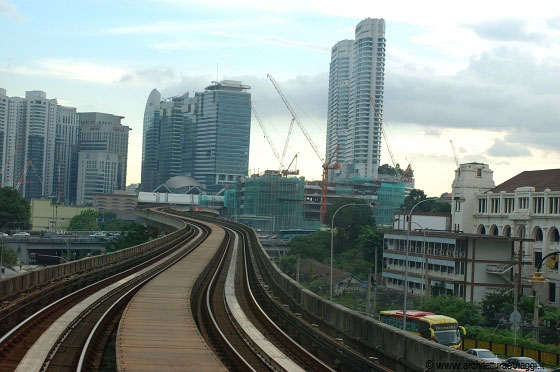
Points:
(9, 10)
(501, 148)
(209, 26)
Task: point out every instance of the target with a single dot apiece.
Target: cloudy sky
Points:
(485, 74)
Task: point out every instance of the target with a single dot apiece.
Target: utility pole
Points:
(368, 295)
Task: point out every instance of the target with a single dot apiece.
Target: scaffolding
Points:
(390, 197)
(270, 202)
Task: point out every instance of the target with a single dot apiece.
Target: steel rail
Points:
(166, 265)
(208, 296)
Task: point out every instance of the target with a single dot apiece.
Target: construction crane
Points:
(454, 153)
(288, 140)
(383, 132)
(280, 161)
(287, 172)
(22, 175)
(327, 165)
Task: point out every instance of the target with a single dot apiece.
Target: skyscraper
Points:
(150, 143)
(102, 155)
(65, 154)
(355, 100)
(205, 136)
(223, 128)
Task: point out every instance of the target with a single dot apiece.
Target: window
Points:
(495, 205)
(522, 203)
(552, 292)
(481, 205)
(479, 172)
(538, 258)
(553, 205)
(457, 206)
(538, 205)
(508, 205)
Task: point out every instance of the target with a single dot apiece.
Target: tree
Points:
(496, 307)
(349, 221)
(315, 245)
(15, 211)
(288, 265)
(417, 196)
(370, 242)
(466, 313)
(85, 221)
(551, 318)
(131, 235)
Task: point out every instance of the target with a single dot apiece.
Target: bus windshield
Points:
(447, 338)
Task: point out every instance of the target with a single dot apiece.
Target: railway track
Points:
(261, 306)
(237, 328)
(230, 304)
(62, 348)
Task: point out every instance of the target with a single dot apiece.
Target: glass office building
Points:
(222, 133)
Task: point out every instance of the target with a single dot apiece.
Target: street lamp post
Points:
(332, 238)
(537, 283)
(406, 257)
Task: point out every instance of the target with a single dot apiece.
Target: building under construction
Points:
(269, 202)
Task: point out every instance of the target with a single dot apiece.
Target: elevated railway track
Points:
(202, 298)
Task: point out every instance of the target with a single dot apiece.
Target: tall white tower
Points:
(356, 79)
(470, 178)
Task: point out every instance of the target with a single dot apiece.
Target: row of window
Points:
(539, 205)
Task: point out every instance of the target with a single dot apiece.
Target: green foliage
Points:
(350, 261)
(416, 196)
(348, 221)
(551, 318)
(318, 286)
(497, 306)
(85, 221)
(131, 235)
(396, 171)
(9, 256)
(466, 313)
(15, 211)
(370, 242)
(316, 245)
(288, 265)
(506, 336)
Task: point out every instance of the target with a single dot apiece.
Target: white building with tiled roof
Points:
(525, 206)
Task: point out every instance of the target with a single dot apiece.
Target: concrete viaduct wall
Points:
(21, 283)
(396, 349)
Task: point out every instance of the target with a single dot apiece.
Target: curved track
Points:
(166, 307)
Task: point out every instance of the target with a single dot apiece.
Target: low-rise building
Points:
(123, 204)
(464, 265)
(46, 216)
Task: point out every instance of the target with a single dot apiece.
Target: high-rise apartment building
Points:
(27, 142)
(355, 100)
(205, 136)
(102, 155)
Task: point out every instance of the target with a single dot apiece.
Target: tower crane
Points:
(327, 165)
(454, 153)
(280, 161)
(384, 135)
